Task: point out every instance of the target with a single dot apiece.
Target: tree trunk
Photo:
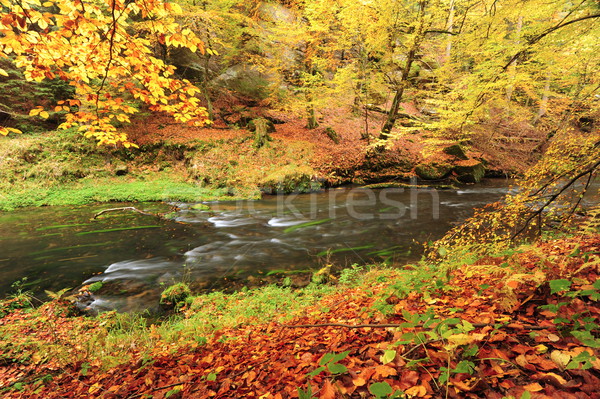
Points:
(449, 27)
(261, 132)
(544, 103)
(312, 117)
(393, 115)
(401, 86)
(513, 67)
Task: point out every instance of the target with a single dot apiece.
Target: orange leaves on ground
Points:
(513, 353)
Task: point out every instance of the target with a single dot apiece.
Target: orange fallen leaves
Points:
(273, 361)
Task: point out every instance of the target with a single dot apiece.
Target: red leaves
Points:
(526, 354)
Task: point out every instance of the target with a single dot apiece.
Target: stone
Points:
(433, 170)
(471, 171)
(456, 151)
(200, 207)
(121, 170)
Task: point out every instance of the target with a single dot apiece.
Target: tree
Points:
(104, 49)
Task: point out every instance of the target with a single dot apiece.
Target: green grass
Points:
(63, 168)
(111, 190)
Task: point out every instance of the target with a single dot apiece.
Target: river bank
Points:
(522, 323)
(207, 164)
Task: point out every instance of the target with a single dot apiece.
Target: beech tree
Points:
(104, 49)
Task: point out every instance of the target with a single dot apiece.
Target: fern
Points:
(592, 222)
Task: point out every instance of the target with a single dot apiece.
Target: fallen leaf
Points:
(417, 391)
(327, 392)
(359, 381)
(457, 340)
(384, 371)
(533, 387)
(553, 337)
(560, 358)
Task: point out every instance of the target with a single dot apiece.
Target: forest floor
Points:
(518, 324)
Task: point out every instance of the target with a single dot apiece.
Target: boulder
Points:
(433, 170)
(470, 171)
(121, 170)
(456, 151)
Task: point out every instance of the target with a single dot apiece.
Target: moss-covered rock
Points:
(290, 179)
(456, 151)
(200, 207)
(470, 171)
(175, 295)
(433, 170)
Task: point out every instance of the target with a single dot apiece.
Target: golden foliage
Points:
(104, 49)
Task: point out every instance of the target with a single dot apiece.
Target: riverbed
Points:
(209, 244)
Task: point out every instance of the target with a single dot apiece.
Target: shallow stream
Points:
(136, 255)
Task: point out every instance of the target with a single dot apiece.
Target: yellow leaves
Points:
(457, 340)
(39, 111)
(94, 388)
(76, 50)
(560, 358)
(6, 130)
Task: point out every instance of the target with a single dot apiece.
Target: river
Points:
(136, 255)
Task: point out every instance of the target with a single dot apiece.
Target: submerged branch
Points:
(126, 208)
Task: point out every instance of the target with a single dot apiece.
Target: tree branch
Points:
(540, 36)
(447, 32)
(394, 325)
(554, 196)
(127, 208)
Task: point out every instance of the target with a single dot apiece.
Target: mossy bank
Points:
(63, 168)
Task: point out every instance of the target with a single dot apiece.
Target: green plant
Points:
(383, 390)
(21, 298)
(175, 295)
(95, 287)
(350, 276)
(329, 362)
(305, 394)
(581, 325)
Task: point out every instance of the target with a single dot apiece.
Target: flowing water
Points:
(135, 255)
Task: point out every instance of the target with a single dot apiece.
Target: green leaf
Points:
(326, 358)
(172, 392)
(581, 361)
(576, 252)
(559, 285)
(442, 251)
(339, 356)
(336, 368)
(466, 326)
(302, 394)
(472, 351)
(316, 371)
(586, 338)
(465, 366)
(526, 395)
(444, 375)
(388, 356)
(380, 389)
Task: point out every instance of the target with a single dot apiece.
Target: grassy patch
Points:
(63, 168)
